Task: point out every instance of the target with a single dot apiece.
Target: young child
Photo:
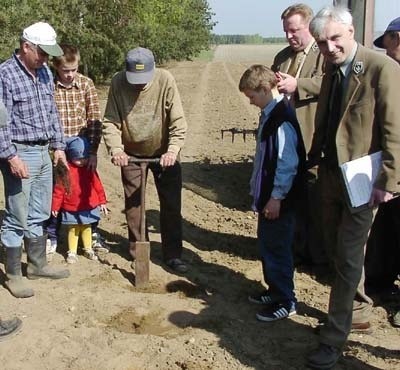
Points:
(78, 106)
(79, 196)
(275, 184)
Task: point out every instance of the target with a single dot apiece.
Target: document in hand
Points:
(359, 176)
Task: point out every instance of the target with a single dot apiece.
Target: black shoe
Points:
(262, 298)
(396, 319)
(9, 327)
(324, 357)
(177, 265)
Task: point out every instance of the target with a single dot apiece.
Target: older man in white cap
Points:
(33, 126)
(144, 118)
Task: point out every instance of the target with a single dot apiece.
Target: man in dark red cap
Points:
(382, 264)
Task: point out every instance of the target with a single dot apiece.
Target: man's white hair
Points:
(339, 14)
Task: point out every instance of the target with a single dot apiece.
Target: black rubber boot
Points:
(16, 284)
(37, 261)
(9, 327)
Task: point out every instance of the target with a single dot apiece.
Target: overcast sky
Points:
(263, 16)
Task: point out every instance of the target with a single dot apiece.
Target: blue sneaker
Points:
(277, 311)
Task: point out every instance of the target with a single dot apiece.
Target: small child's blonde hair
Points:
(257, 77)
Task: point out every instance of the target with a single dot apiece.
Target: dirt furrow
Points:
(97, 319)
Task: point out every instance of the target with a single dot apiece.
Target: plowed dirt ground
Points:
(98, 320)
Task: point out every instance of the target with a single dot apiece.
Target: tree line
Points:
(246, 39)
(105, 30)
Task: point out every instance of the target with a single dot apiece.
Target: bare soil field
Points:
(98, 320)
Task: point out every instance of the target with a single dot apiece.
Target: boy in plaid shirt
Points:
(78, 106)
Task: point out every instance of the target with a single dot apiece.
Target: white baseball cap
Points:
(44, 36)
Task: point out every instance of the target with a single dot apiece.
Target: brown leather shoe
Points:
(361, 328)
(356, 328)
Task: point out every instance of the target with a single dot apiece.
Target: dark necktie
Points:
(334, 114)
(294, 65)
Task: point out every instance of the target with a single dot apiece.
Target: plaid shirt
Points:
(30, 106)
(79, 110)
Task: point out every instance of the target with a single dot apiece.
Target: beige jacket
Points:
(370, 116)
(308, 86)
(148, 123)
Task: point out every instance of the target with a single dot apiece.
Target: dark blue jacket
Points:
(282, 112)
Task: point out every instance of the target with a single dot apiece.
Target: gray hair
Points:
(23, 39)
(339, 14)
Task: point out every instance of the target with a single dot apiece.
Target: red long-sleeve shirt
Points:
(86, 191)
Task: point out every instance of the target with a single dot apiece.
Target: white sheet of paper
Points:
(359, 176)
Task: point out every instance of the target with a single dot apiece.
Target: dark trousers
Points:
(308, 244)
(382, 260)
(346, 233)
(275, 238)
(168, 183)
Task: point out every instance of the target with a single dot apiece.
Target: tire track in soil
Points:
(217, 222)
(209, 170)
(205, 156)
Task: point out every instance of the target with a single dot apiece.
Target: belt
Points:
(32, 143)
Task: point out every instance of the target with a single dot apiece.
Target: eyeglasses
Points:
(38, 50)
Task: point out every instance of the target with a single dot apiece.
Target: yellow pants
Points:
(85, 231)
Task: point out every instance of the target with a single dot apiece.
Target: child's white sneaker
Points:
(72, 258)
(89, 253)
(51, 247)
(98, 243)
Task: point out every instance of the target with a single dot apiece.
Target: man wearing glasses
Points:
(33, 127)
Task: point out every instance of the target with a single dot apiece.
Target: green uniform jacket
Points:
(308, 87)
(370, 115)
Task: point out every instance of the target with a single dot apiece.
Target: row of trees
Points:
(245, 39)
(105, 30)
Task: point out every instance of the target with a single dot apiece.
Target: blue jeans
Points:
(275, 239)
(28, 201)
